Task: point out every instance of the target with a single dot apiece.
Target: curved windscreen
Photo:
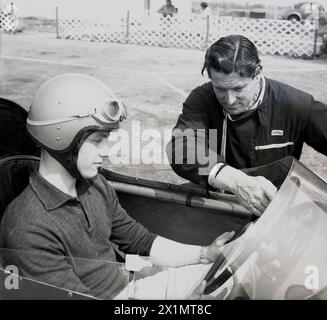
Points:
(283, 255)
(33, 275)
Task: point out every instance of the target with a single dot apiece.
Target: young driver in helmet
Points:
(68, 210)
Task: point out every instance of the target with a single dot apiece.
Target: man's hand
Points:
(254, 193)
(210, 253)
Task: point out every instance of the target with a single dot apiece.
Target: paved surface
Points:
(151, 81)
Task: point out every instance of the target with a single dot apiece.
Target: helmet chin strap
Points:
(69, 161)
(69, 158)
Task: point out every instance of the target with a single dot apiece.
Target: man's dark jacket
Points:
(286, 118)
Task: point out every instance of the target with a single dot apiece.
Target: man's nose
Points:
(229, 97)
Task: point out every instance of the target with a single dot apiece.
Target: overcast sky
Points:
(47, 7)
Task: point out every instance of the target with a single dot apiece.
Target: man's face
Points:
(234, 92)
(91, 154)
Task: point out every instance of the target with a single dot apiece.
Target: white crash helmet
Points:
(67, 105)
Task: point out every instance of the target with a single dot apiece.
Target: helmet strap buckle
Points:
(88, 113)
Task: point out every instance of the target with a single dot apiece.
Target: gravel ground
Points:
(151, 81)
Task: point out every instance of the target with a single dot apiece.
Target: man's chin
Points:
(233, 112)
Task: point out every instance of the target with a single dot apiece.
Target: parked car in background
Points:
(306, 11)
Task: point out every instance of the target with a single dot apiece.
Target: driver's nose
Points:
(104, 150)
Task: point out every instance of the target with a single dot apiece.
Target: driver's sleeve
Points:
(130, 236)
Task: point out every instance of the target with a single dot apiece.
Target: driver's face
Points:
(234, 92)
(92, 153)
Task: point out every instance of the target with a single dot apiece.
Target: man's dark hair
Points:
(234, 53)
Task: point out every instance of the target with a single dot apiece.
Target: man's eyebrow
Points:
(239, 86)
(219, 87)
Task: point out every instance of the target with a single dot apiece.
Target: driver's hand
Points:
(210, 253)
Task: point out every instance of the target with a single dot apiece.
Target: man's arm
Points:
(316, 130)
(133, 238)
(192, 151)
(170, 253)
(130, 236)
(193, 155)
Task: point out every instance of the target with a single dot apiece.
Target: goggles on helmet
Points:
(111, 112)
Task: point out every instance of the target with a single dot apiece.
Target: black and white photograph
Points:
(163, 150)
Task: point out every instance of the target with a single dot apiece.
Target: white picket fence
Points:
(270, 36)
(194, 31)
(8, 22)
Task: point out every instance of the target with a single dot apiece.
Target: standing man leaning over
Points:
(254, 121)
(69, 211)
